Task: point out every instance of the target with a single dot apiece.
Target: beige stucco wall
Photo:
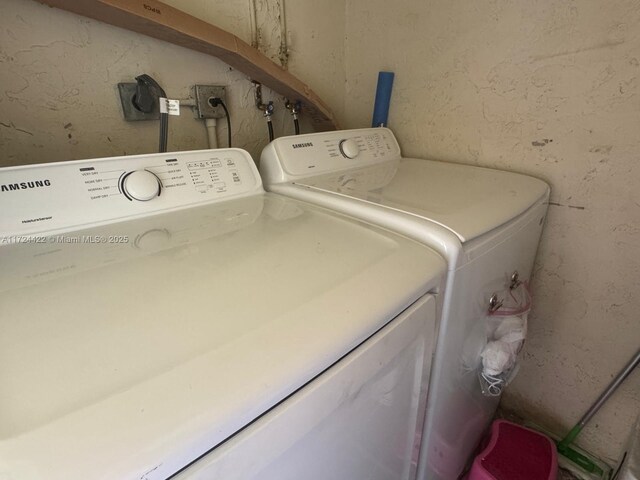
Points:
(59, 75)
(315, 39)
(550, 88)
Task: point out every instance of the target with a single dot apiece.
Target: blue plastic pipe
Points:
(383, 99)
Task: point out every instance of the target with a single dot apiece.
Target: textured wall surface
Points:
(315, 38)
(549, 88)
(59, 75)
(318, 48)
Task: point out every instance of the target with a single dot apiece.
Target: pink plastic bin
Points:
(515, 453)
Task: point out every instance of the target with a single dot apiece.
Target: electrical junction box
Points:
(202, 94)
(131, 114)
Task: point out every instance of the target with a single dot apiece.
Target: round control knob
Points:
(349, 148)
(141, 185)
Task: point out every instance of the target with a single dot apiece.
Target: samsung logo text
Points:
(10, 187)
(302, 145)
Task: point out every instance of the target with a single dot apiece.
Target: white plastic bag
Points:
(506, 333)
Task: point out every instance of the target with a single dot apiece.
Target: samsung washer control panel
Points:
(306, 155)
(64, 195)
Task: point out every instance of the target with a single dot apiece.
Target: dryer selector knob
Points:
(141, 185)
(349, 148)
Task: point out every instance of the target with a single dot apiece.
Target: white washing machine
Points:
(163, 317)
(486, 223)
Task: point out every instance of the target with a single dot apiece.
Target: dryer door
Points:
(361, 418)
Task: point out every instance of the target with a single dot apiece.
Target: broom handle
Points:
(615, 383)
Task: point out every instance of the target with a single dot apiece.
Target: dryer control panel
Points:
(301, 156)
(58, 196)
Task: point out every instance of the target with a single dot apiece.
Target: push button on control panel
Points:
(140, 185)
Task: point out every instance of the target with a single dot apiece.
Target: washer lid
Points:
(129, 349)
(467, 200)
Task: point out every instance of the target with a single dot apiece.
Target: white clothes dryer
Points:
(486, 223)
(164, 317)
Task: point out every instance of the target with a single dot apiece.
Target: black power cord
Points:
(216, 101)
(143, 101)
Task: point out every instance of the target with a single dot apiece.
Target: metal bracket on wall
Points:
(131, 113)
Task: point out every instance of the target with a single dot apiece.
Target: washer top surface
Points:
(130, 347)
(467, 200)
